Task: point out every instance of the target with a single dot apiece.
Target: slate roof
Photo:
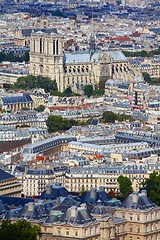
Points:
(15, 201)
(138, 201)
(94, 196)
(99, 210)
(27, 32)
(52, 192)
(77, 215)
(25, 98)
(69, 201)
(3, 208)
(5, 176)
(84, 56)
(30, 210)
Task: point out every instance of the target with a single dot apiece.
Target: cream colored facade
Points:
(103, 228)
(10, 187)
(76, 69)
(75, 182)
(141, 224)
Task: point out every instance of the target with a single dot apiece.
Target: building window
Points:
(41, 45)
(57, 47)
(54, 47)
(76, 233)
(130, 228)
(130, 217)
(138, 229)
(59, 231)
(138, 217)
(67, 232)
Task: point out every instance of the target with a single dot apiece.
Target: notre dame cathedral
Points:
(75, 69)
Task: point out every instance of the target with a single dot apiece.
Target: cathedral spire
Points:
(92, 44)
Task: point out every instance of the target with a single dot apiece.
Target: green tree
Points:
(67, 91)
(19, 230)
(109, 117)
(125, 186)
(40, 108)
(146, 77)
(88, 90)
(56, 123)
(152, 186)
(30, 82)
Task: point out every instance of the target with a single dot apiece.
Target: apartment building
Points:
(9, 186)
(80, 178)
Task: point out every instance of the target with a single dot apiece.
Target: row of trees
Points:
(110, 117)
(14, 58)
(142, 53)
(30, 82)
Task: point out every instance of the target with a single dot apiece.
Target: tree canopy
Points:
(125, 186)
(152, 186)
(56, 123)
(30, 81)
(40, 108)
(88, 90)
(19, 230)
(110, 117)
(142, 53)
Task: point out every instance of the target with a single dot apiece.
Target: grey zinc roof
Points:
(99, 210)
(138, 201)
(29, 211)
(84, 56)
(5, 176)
(77, 215)
(25, 98)
(27, 31)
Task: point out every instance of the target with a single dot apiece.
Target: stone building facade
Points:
(75, 69)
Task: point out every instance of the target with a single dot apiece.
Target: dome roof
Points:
(99, 210)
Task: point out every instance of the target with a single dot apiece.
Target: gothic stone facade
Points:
(74, 69)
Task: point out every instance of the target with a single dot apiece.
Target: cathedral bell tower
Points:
(46, 57)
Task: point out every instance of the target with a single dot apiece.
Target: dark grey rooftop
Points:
(5, 176)
(25, 98)
(138, 201)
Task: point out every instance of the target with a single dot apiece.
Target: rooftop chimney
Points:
(93, 193)
(135, 196)
(48, 189)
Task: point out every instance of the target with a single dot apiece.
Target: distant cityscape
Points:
(80, 120)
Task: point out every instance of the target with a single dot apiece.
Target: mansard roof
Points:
(30, 210)
(99, 210)
(25, 98)
(138, 201)
(52, 192)
(93, 196)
